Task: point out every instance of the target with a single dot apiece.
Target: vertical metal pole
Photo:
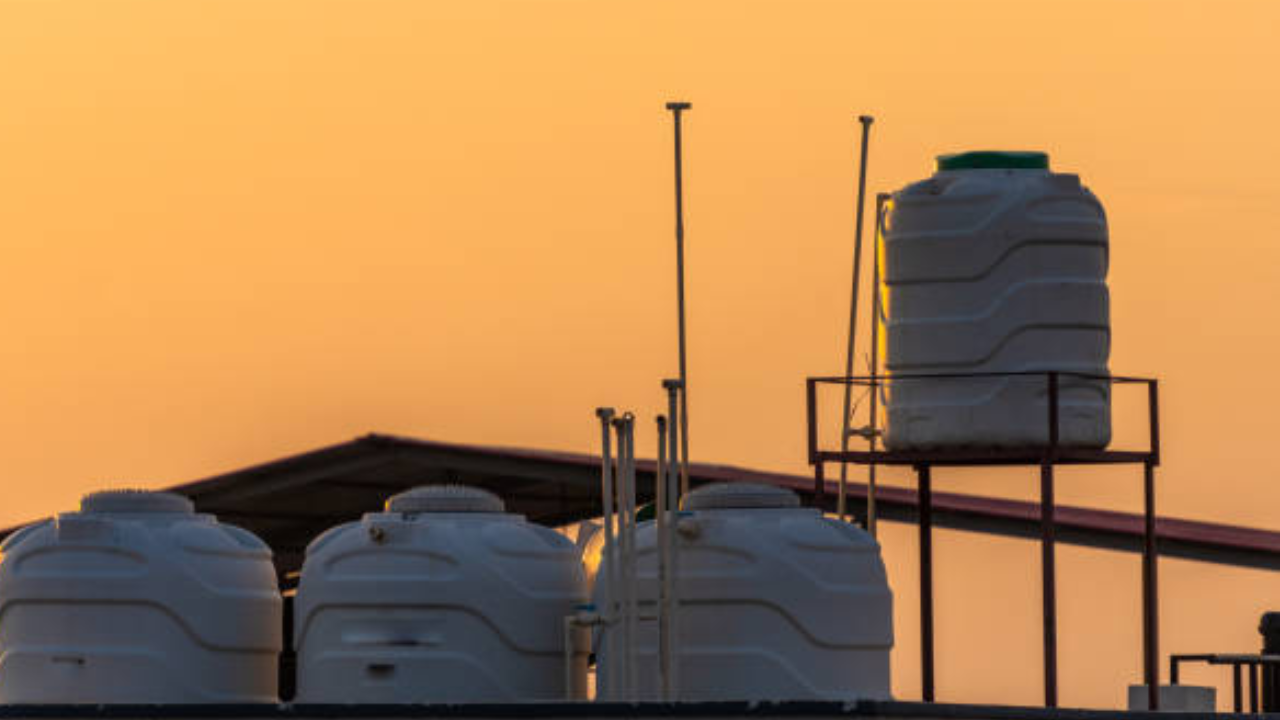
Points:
(841, 501)
(1150, 589)
(1048, 585)
(1048, 569)
(1236, 686)
(676, 109)
(664, 570)
(925, 507)
(882, 200)
(811, 418)
(1153, 418)
(1151, 555)
(1253, 688)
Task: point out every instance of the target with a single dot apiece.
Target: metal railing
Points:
(1237, 663)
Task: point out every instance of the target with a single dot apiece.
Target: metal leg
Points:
(926, 581)
(819, 483)
(1048, 586)
(1150, 603)
(1253, 688)
(1238, 691)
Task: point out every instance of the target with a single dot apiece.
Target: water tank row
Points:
(443, 597)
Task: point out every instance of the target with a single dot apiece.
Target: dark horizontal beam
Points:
(986, 457)
(1102, 529)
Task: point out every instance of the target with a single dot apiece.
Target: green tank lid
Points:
(994, 160)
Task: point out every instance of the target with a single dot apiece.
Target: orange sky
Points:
(231, 230)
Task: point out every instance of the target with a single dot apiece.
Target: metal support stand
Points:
(1151, 554)
(925, 479)
(1046, 458)
(1048, 568)
(1049, 591)
(1236, 687)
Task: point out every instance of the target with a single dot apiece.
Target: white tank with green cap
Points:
(996, 265)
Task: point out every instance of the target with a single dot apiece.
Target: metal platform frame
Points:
(1236, 661)
(1046, 458)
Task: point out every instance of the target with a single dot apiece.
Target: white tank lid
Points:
(135, 501)
(445, 499)
(717, 496)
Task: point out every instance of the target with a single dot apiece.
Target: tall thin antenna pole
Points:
(882, 206)
(676, 109)
(841, 503)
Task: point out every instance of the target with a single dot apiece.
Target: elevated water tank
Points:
(445, 597)
(777, 602)
(996, 265)
(137, 599)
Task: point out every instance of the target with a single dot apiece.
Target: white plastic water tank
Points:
(137, 599)
(444, 597)
(777, 602)
(996, 265)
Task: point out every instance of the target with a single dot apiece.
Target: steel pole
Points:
(925, 523)
(1048, 566)
(841, 497)
(676, 109)
(1150, 605)
(882, 203)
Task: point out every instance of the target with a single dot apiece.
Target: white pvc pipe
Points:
(671, 540)
(661, 499)
(626, 537)
(622, 619)
(610, 560)
(633, 588)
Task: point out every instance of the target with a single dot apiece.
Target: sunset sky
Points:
(232, 230)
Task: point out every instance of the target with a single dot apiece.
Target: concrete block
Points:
(1176, 698)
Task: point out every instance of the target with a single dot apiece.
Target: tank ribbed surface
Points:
(776, 603)
(445, 499)
(443, 598)
(137, 599)
(993, 269)
(135, 501)
(719, 496)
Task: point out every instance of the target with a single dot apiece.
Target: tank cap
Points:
(445, 499)
(135, 501)
(994, 160)
(721, 496)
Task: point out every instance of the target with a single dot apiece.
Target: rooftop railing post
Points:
(1153, 418)
(1048, 568)
(1237, 688)
(1150, 588)
(811, 415)
(1048, 576)
(1253, 688)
